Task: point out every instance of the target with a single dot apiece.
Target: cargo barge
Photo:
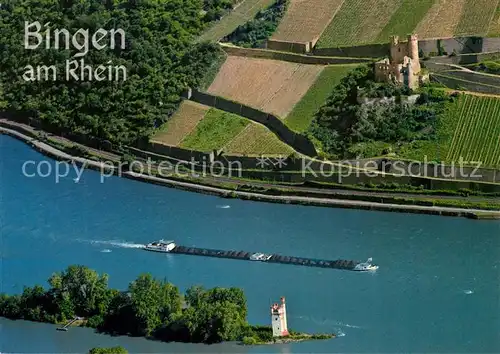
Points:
(171, 247)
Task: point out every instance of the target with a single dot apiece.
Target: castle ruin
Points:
(403, 66)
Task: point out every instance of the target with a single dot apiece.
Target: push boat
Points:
(366, 266)
(160, 246)
(260, 257)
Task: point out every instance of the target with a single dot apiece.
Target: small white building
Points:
(278, 319)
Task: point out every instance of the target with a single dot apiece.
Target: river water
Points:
(437, 289)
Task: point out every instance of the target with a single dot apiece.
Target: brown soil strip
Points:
(181, 124)
(270, 85)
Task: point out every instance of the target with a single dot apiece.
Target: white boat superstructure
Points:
(160, 246)
(260, 257)
(366, 266)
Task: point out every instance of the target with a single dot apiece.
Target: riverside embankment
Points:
(312, 199)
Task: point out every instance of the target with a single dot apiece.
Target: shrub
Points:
(250, 341)
(255, 32)
(79, 150)
(112, 350)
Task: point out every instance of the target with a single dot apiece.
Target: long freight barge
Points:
(171, 247)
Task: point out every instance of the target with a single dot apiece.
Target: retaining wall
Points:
(459, 83)
(288, 46)
(461, 45)
(178, 153)
(485, 79)
(290, 57)
(362, 51)
(297, 141)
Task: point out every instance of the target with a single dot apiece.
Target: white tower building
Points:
(278, 319)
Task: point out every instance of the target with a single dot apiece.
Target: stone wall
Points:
(362, 51)
(462, 45)
(290, 57)
(288, 46)
(297, 141)
(458, 82)
(178, 153)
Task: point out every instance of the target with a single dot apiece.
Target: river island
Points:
(149, 308)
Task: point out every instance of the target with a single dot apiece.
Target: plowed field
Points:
(305, 20)
(269, 85)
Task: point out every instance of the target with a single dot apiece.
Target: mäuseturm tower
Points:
(403, 66)
(278, 319)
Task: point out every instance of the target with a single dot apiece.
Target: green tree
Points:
(79, 289)
(154, 303)
(111, 350)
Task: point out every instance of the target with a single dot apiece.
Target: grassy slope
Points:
(239, 16)
(302, 114)
(234, 134)
(214, 131)
(256, 140)
(405, 19)
(470, 129)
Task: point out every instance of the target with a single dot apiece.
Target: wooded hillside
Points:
(158, 55)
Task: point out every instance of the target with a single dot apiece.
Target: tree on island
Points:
(112, 350)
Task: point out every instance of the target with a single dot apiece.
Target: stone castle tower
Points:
(278, 319)
(403, 66)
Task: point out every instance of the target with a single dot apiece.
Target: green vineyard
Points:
(477, 134)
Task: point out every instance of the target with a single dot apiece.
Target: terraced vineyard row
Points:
(477, 135)
(358, 22)
(373, 21)
(476, 17)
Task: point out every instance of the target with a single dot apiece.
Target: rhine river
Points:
(437, 289)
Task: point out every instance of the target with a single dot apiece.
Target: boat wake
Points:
(115, 243)
(105, 250)
(223, 206)
(329, 322)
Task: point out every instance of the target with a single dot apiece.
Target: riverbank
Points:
(223, 188)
